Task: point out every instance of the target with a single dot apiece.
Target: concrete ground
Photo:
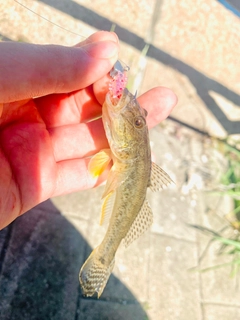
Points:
(195, 52)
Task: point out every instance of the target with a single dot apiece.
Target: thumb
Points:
(30, 70)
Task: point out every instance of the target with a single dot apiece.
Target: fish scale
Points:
(125, 192)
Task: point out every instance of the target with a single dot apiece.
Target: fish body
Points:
(125, 192)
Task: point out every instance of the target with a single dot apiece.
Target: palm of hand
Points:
(45, 144)
(42, 151)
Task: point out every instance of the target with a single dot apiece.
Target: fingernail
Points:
(103, 50)
(115, 36)
(102, 36)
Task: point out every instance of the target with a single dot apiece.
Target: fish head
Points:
(125, 126)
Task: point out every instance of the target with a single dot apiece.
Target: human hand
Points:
(45, 141)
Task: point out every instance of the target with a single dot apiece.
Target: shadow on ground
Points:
(3, 38)
(41, 253)
(202, 83)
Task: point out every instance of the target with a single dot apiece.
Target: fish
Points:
(132, 173)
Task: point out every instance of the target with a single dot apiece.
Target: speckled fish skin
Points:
(127, 133)
(125, 192)
(132, 157)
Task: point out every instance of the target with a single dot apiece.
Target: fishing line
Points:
(44, 18)
(126, 67)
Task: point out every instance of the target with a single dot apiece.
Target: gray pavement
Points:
(195, 52)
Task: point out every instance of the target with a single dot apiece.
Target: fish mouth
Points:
(119, 103)
(117, 93)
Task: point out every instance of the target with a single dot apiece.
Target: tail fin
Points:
(94, 274)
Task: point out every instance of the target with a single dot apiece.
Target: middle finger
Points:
(78, 140)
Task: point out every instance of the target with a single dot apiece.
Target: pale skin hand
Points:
(45, 141)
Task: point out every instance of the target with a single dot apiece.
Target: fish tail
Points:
(95, 273)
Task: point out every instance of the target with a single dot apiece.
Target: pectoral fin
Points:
(159, 178)
(107, 207)
(99, 162)
(142, 222)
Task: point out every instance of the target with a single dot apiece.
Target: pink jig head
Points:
(118, 82)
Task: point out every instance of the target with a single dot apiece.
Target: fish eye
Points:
(139, 122)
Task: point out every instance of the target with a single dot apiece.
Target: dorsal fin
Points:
(159, 178)
(142, 222)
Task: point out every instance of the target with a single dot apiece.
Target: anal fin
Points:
(107, 207)
(115, 178)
